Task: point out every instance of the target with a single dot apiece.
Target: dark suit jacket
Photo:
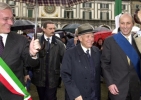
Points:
(75, 73)
(117, 71)
(16, 54)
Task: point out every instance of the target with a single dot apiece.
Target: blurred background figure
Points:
(100, 43)
(27, 69)
(73, 41)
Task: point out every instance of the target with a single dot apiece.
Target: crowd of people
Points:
(77, 61)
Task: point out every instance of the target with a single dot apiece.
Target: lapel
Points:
(43, 41)
(53, 42)
(94, 57)
(82, 56)
(10, 41)
(120, 51)
(83, 59)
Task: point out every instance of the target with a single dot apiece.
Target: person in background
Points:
(80, 69)
(63, 38)
(15, 50)
(73, 41)
(46, 77)
(27, 69)
(121, 62)
(99, 43)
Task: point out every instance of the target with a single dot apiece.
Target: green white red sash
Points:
(11, 82)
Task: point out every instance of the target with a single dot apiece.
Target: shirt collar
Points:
(50, 38)
(129, 37)
(85, 49)
(4, 37)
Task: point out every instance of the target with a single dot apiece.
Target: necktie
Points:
(127, 56)
(48, 44)
(88, 54)
(47, 61)
(92, 73)
(1, 46)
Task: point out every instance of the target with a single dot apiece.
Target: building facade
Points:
(97, 12)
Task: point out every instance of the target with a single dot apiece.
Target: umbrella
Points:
(62, 33)
(103, 35)
(39, 30)
(50, 2)
(22, 25)
(99, 29)
(71, 28)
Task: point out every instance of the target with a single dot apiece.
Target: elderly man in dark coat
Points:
(80, 69)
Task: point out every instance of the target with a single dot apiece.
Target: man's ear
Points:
(44, 29)
(80, 38)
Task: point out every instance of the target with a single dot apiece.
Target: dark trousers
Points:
(132, 97)
(59, 83)
(46, 93)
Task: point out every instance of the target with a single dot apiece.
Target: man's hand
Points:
(34, 47)
(27, 77)
(113, 89)
(79, 98)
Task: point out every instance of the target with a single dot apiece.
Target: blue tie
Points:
(1, 46)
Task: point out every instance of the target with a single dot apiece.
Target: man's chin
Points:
(6, 32)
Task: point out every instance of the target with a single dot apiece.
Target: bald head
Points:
(127, 15)
(126, 23)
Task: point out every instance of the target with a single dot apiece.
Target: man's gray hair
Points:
(4, 6)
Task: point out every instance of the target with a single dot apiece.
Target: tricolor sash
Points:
(11, 82)
(129, 51)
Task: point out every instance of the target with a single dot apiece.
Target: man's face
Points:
(6, 20)
(87, 40)
(49, 30)
(126, 24)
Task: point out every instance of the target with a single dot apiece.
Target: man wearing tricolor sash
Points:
(121, 62)
(15, 51)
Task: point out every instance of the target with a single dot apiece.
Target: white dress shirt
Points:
(50, 38)
(4, 37)
(129, 38)
(85, 49)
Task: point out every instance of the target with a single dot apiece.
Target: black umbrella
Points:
(39, 30)
(71, 27)
(22, 25)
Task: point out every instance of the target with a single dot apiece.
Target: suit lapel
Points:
(94, 57)
(10, 41)
(83, 57)
(84, 63)
(121, 52)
